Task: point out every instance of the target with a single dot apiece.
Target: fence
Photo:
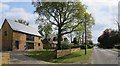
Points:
(61, 53)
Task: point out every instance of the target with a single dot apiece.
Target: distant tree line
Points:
(109, 39)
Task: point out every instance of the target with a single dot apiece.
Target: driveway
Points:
(0, 58)
(104, 56)
(18, 57)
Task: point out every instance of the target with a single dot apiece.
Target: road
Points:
(104, 56)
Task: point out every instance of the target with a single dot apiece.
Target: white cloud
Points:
(4, 7)
(16, 0)
(20, 13)
(104, 12)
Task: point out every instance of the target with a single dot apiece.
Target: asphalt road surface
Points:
(104, 56)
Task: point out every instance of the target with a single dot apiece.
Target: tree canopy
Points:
(66, 16)
(109, 38)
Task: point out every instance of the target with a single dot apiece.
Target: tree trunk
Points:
(119, 27)
(83, 38)
(59, 39)
(71, 38)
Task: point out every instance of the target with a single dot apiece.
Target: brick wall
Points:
(21, 38)
(0, 40)
(61, 53)
(38, 43)
(6, 38)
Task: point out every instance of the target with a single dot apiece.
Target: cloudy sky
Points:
(104, 11)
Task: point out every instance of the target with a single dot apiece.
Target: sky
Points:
(105, 12)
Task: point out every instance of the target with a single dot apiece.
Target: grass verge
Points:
(45, 54)
(114, 49)
(76, 57)
(49, 56)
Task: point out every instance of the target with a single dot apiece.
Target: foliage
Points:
(75, 45)
(65, 44)
(45, 29)
(66, 16)
(83, 46)
(90, 44)
(109, 38)
(75, 41)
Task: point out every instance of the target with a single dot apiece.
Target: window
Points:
(30, 38)
(38, 44)
(5, 33)
(17, 44)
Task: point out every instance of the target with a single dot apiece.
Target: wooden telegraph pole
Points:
(85, 34)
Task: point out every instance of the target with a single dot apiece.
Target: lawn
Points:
(76, 57)
(45, 54)
(49, 56)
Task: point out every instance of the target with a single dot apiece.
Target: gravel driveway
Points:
(18, 57)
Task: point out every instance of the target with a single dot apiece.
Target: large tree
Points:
(109, 38)
(66, 16)
(45, 29)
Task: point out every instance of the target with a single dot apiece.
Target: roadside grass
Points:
(49, 56)
(45, 54)
(114, 49)
(76, 57)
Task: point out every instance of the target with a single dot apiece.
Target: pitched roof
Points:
(22, 28)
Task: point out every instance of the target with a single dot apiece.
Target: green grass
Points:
(114, 49)
(45, 54)
(76, 57)
(49, 56)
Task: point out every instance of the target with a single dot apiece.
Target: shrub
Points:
(75, 45)
(117, 46)
(82, 46)
(89, 46)
(65, 45)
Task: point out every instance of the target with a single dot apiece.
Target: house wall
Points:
(37, 40)
(6, 39)
(0, 39)
(17, 36)
(21, 37)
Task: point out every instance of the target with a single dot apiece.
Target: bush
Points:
(65, 45)
(117, 46)
(89, 46)
(75, 45)
(82, 46)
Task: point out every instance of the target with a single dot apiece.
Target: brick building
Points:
(17, 36)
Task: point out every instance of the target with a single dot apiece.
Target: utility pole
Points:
(85, 34)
